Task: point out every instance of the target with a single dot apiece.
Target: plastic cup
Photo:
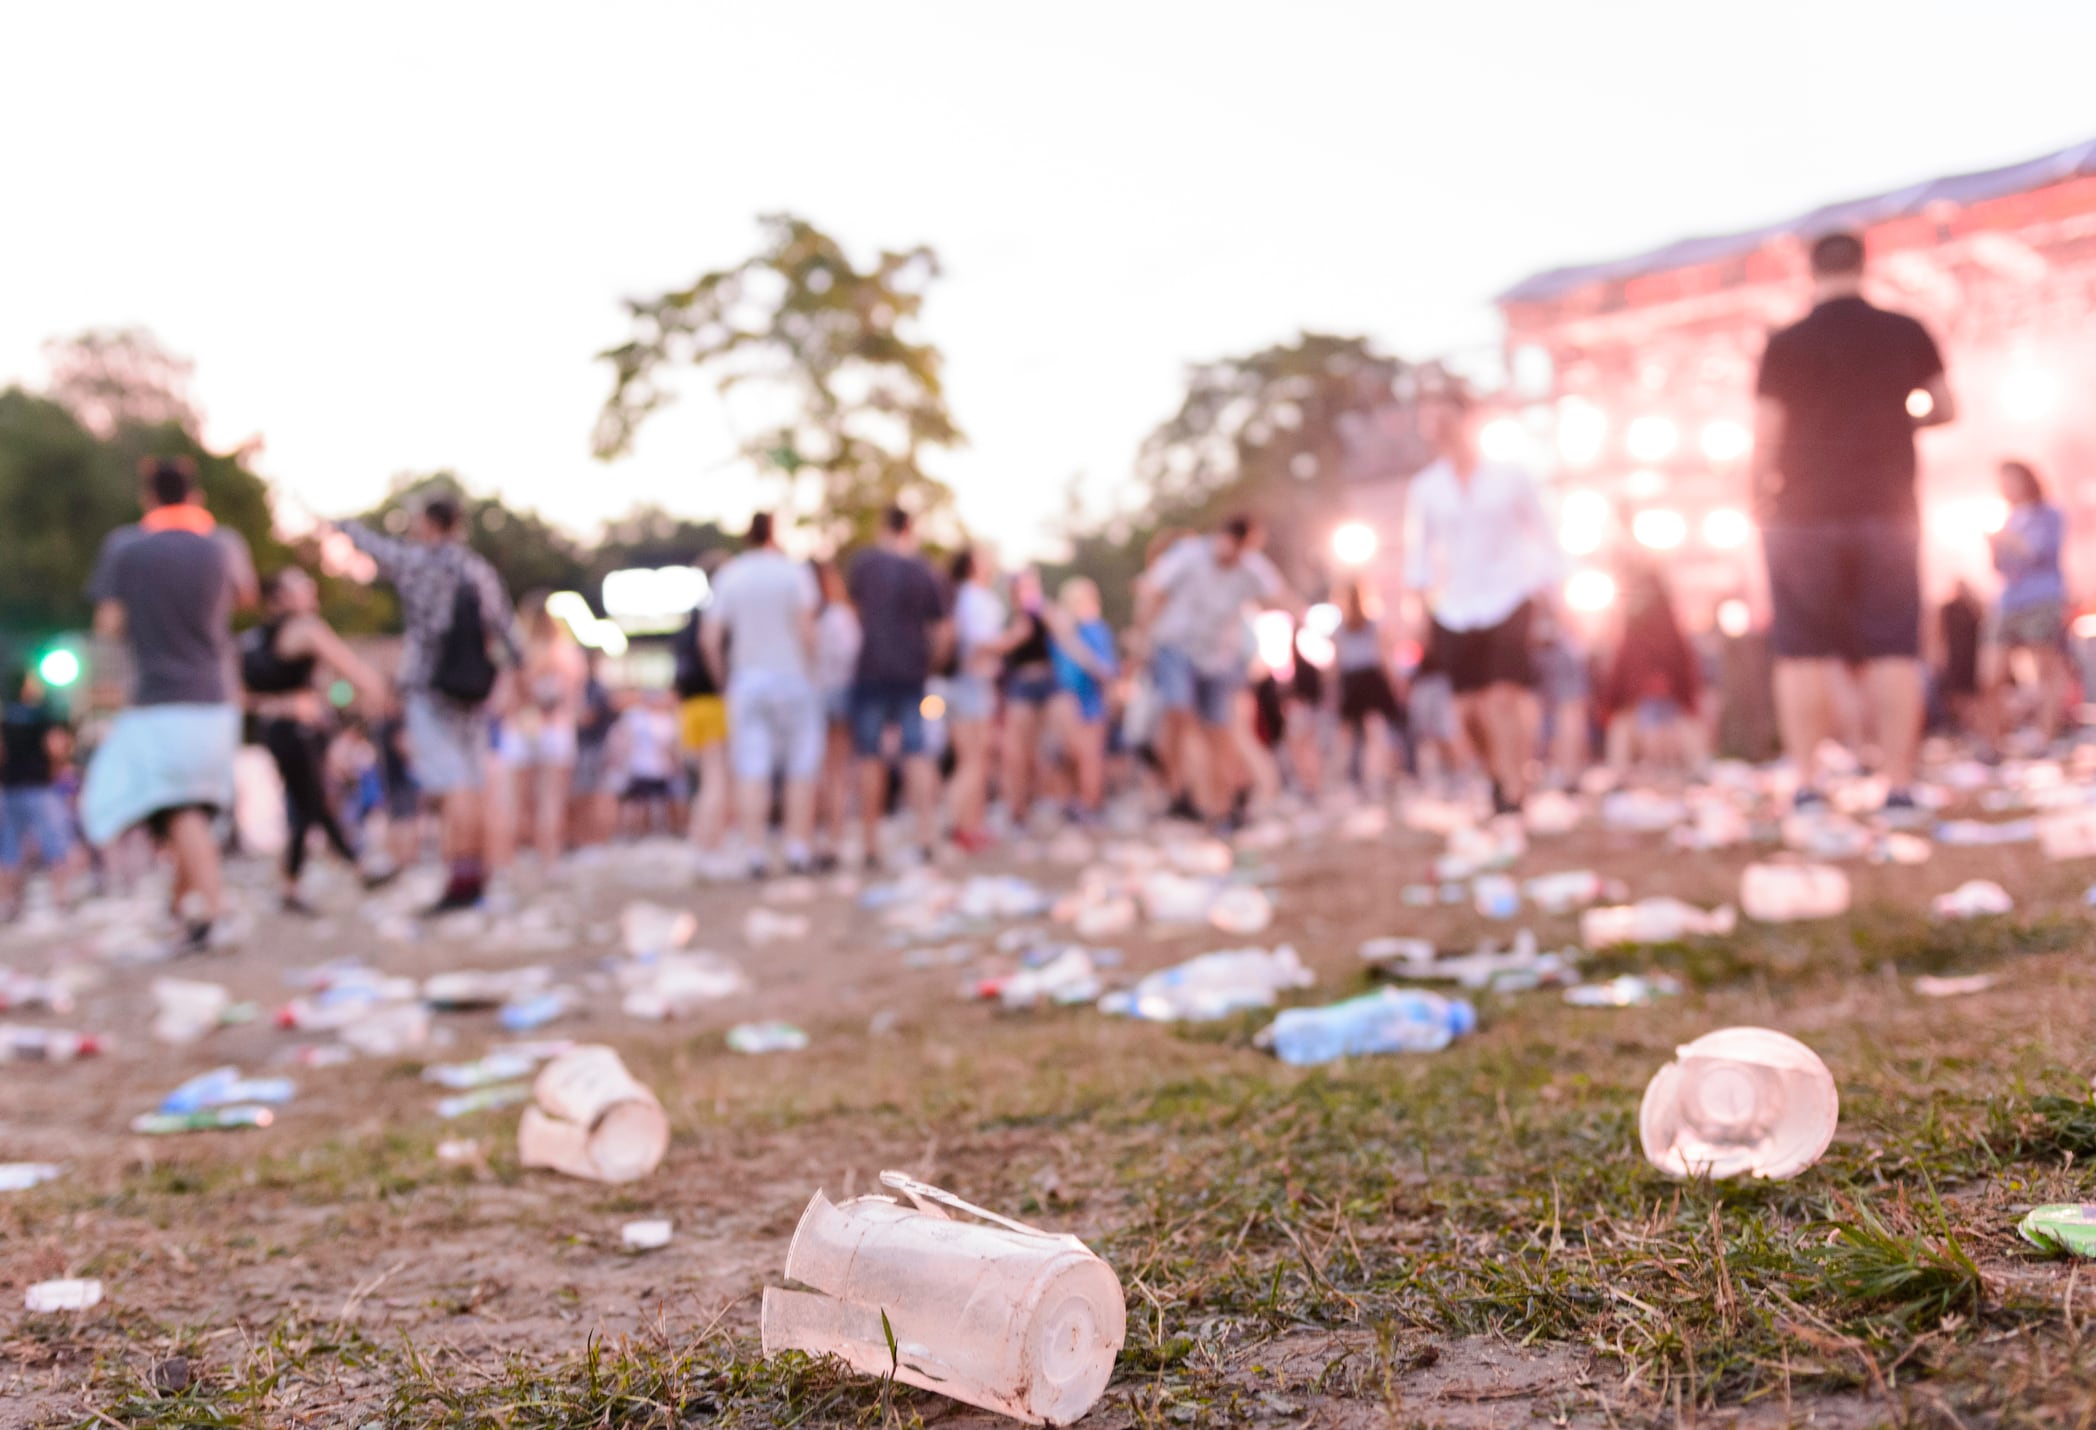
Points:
(1740, 1102)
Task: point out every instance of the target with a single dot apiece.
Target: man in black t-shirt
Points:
(1841, 395)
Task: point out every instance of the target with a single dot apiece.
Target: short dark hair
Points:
(1836, 255)
(442, 512)
(170, 479)
(895, 521)
(2026, 474)
(962, 570)
(1240, 527)
(760, 529)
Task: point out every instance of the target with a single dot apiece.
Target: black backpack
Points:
(693, 676)
(461, 669)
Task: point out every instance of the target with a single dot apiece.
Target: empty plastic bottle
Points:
(1001, 1316)
(210, 1119)
(19, 1044)
(1390, 1020)
(1215, 985)
(1739, 1102)
(221, 1087)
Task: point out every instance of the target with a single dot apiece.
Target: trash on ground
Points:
(483, 1099)
(68, 1295)
(1930, 986)
(1570, 889)
(1393, 949)
(1641, 811)
(1656, 920)
(210, 1119)
(20, 990)
(1826, 835)
(1549, 813)
(1975, 898)
(762, 927)
(645, 1235)
(1486, 967)
(674, 985)
(1495, 896)
(1740, 1102)
(1001, 1316)
(185, 1009)
(1241, 910)
(223, 1087)
(22, 1044)
(2068, 1227)
(1897, 848)
(21, 1176)
(460, 1151)
(2069, 833)
(526, 1014)
(648, 929)
(1629, 990)
(388, 1030)
(591, 1119)
(1389, 1020)
(1069, 977)
(1977, 834)
(1214, 985)
(1772, 893)
(770, 1036)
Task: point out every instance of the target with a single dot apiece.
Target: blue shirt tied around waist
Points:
(1098, 640)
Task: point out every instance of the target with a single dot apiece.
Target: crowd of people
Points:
(811, 701)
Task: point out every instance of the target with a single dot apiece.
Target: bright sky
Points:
(391, 236)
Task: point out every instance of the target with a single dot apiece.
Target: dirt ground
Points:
(1466, 1239)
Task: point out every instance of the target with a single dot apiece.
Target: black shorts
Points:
(1490, 655)
(1844, 590)
(1363, 693)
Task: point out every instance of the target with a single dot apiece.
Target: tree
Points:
(110, 379)
(650, 536)
(821, 354)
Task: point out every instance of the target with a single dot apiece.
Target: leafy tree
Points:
(1278, 433)
(111, 379)
(822, 353)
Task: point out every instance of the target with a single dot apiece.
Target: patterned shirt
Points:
(427, 577)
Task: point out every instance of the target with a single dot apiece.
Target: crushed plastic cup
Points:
(1973, 899)
(1549, 813)
(2069, 833)
(767, 1037)
(1106, 918)
(990, 1312)
(1658, 920)
(1241, 910)
(2061, 1227)
(1791, 893)
(650, 929)
(676, 985)
(67, 1295)
(762, 927)
(652, 1235)
(1170, 898)
(1570, 889)
(21, 1176)
(1740, 1102)
(591, 1119)
(1931, 986)
(185, 1009)
(1486, 967)
(1903, 849)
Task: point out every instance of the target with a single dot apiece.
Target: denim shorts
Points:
(1181, 685)
(970, 698)
(877, 704)
(1844, 590)
(33, 816)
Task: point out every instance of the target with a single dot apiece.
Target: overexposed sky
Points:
(391, 236)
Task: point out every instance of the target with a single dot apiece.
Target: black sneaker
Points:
(457, 898)
(297, 907)
(1183, 808)
(1808, 800)
(375, 882)
(194, 939)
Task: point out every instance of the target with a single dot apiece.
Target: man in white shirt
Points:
(1193, 604)
(760, 642)
(1480, 552)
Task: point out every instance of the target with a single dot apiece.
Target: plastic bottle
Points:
(19, 1044)
(1496, 896)
(1739, 1102)
(1390, 1020)
(483, 1099)
(222, 1087)
(534, 1012)
(212, 1119)
(1651, 921)
(1789, 893)
(1215, 985)
(1000, 1316)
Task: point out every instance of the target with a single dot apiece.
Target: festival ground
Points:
(1467, 1238)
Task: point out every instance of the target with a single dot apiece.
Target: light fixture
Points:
(1590, 591)
(1652, 439)
(1726, 528)
(1354, 543)
(1727, 441)
(1660, 528)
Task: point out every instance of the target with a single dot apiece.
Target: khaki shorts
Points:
(702, 722)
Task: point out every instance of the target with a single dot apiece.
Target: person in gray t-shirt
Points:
(168, 586)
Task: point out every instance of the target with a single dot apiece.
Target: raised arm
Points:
(316, 636)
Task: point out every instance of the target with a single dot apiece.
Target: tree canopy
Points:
(820, 355)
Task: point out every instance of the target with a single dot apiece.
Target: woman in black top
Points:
(279, 663)
(1029, 684)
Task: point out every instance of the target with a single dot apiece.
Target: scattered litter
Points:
(770, 1036)
(1975, 898)
(674, 985)
(1826, 835)
(590, 1119)
(1658, 920)
(1170, 898)
(1215, 985)
(648, 929)
(1241, 911)
(63, 1296)
(210, 1119)
(1390, 949)
(1474, 850)
(502, 1065)
(1486, 967)
(1930, 986)
(388, 1030)
(223, 1087)
(1001, 1316)
(527, 1014)
(20, 990)
(21, 1176)
(1974, 833)
(1641, 811)
(1549, 813)
(1629, 990)
(645, 1235)
(186, 1009)
(1069, 977)
(483, 1099)
(19, 1044)
(2067, 1227)
(1907, 849)
(1561, 893)
(1496, 896)
(468, 990)
(2069, 833)
(1739, 1102)
(1792, 893)
(460, 1151)
(762, 926)
(1390, 1020)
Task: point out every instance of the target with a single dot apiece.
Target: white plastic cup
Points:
(1740, 1102)
(592, 1120)
(1789, 893)
(1000, 1316)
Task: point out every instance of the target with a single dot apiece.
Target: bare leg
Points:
(1896, 694)
(921, 785)
(836, 783)
(1510, 735)
(1801, 711)
(971, 774)
(551, 822)
(1022, 742)
(800, 819)
(753, 803)
(195, 854)
(873, 796)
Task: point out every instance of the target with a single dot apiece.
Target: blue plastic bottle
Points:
(1390, 1020)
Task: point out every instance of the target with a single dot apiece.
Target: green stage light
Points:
(59, 668)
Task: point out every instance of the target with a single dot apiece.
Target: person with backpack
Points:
(460, 634)
(280, 659)
(702, 725)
